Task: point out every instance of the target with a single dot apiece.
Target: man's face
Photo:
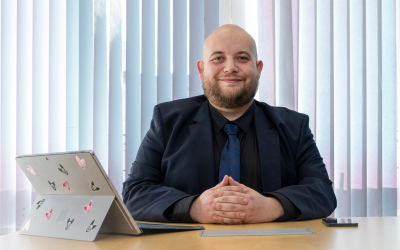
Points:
(229, 70)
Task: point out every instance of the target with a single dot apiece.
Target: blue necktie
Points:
(230, 157)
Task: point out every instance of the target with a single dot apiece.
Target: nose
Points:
(230, 66)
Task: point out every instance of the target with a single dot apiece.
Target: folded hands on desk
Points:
(230, 202)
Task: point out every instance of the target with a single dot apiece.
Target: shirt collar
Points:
(244, 121)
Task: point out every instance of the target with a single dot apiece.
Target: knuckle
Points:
(233, 207)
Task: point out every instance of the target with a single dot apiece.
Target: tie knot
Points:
(230, 129)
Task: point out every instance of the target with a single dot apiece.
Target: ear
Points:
(260, 66)
(200, 69)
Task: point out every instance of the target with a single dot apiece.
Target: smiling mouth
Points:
(231, 80)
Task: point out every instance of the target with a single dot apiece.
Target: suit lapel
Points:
(268, 148)
(203, 147)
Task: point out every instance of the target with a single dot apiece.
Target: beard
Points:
(237, 99)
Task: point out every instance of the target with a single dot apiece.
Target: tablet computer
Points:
(76, 199)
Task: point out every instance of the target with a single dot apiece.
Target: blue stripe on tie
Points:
(230, 158)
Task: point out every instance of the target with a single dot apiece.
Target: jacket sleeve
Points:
(313, 194)
(143, 192)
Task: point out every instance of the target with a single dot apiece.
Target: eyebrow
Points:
(221, 52)
(216, 52)
(245, 52)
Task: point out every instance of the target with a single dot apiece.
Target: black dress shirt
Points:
(250, 168)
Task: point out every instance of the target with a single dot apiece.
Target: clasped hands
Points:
(230, 202)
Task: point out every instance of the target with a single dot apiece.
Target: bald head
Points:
(226, 34)
(229, 70)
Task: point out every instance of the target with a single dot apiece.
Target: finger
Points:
(222, 220)
(224, 182)
(231, 215)
(232, 199)
(232, 182)
(217, 194)
(228, 207)
(241, 189)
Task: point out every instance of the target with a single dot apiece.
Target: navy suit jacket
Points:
(176, 160)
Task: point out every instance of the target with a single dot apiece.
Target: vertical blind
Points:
(86, 74)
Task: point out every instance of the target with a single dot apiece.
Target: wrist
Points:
(275, 209)
(278, 208)
(193, 211)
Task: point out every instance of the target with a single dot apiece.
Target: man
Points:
(224, 157)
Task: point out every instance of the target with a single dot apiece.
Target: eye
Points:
(218, 58)
(243, 58)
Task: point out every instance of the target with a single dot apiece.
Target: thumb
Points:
(232, 182)
(224, 182)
